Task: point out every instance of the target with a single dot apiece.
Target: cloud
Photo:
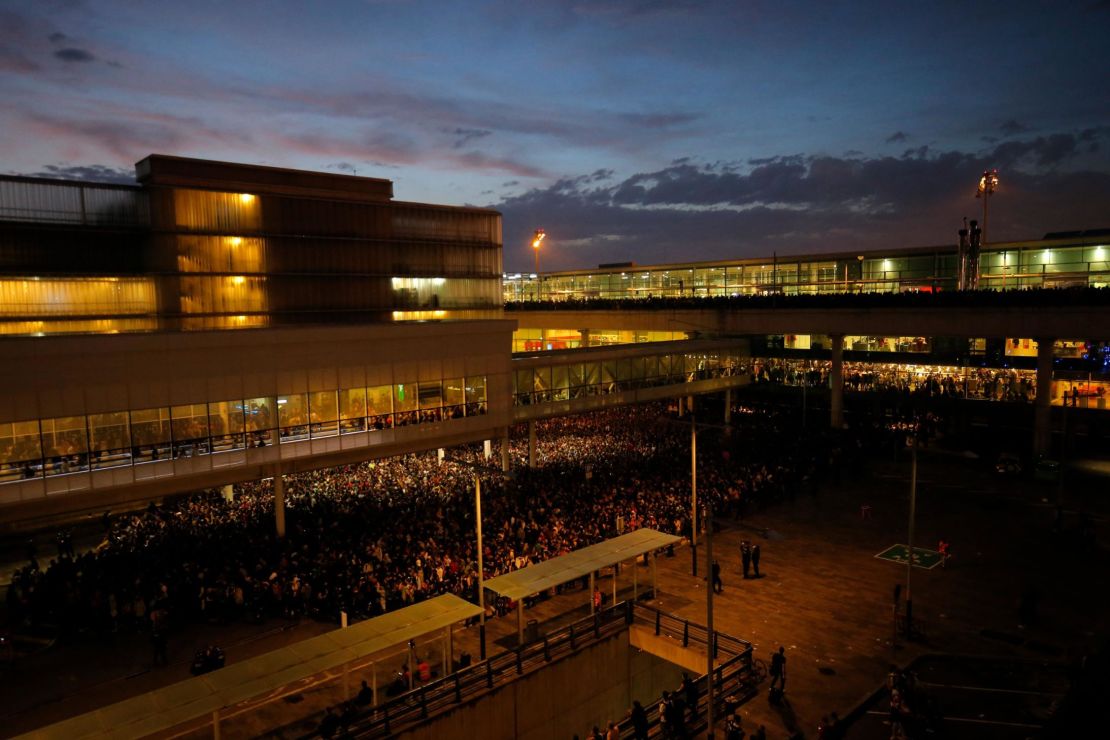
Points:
(58, 37)
(90, 172)
(801, 204)
(464, 136)
(72, 54)
(897, 137)
(1012, 128)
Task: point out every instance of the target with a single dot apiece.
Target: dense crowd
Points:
(928, 381)
(377, 536)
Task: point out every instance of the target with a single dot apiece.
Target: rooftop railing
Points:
(59, 202)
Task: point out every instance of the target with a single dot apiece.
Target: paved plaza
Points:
(822, 594)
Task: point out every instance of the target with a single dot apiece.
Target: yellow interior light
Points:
(246, 198)
(238, 280)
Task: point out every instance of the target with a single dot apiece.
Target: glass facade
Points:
(1035, 264)
(207, 245)
(582, 379)
(38, 447)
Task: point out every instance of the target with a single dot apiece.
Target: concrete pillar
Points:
(279, 503)
(654, 579)
(681, 406)
(505, 451)
(1042, 411)
(591, 593)
(531, 444)
(635, 578)
(584, 341)
(728, 406)
(836, 383)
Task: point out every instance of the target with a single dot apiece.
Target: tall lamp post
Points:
(988, 183)
(909, 537)
(537, 239)
(481, 584)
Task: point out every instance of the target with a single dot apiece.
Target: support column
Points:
(584, 340)
(836, 383)
(635, 579)
(520, 621)
(654, 579)
(279, 503)
(681, 406)
(591, 593)
(616, 566)
(505, 451)
(728, 406)
(1042, 407)
(531, 444)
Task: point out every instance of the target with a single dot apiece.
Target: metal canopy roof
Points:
(566, 568)
(168, 707)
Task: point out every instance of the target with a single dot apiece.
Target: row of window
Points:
(563, 382)
(1015, 268)
(34, 448)
(246, 213)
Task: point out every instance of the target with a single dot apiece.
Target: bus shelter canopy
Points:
(566, 568)
(163, 709)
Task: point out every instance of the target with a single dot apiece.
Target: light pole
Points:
(709, 636)
(988, 183)
(909, 544)
(481, 584)
(694, 492)
(537, 239)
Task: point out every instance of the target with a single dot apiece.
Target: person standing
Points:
(755, 559)
(640, 723)
(778, 668)
(746, 557)
(944, 548)
(718, 584)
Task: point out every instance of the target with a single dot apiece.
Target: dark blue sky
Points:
(645, 130)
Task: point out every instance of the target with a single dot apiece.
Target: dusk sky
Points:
(649, 131)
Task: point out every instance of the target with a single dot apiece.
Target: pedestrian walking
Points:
(718, 584)
(755, 560)
(778, 668)
(944, 547)
(746, 557)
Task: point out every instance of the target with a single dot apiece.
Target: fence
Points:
(734, 679)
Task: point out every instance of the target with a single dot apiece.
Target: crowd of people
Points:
(927, 381)
(377, 536)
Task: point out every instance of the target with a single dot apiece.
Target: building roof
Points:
(566, 568)
(163, 709)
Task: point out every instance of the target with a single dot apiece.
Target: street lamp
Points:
(537, 239)
(988, 183)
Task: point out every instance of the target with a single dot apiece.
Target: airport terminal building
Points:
(217, 323)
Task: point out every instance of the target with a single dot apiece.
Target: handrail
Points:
(734, 676)
(419, 704)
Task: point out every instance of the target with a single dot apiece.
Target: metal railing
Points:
(734, 679)
(420, 704)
